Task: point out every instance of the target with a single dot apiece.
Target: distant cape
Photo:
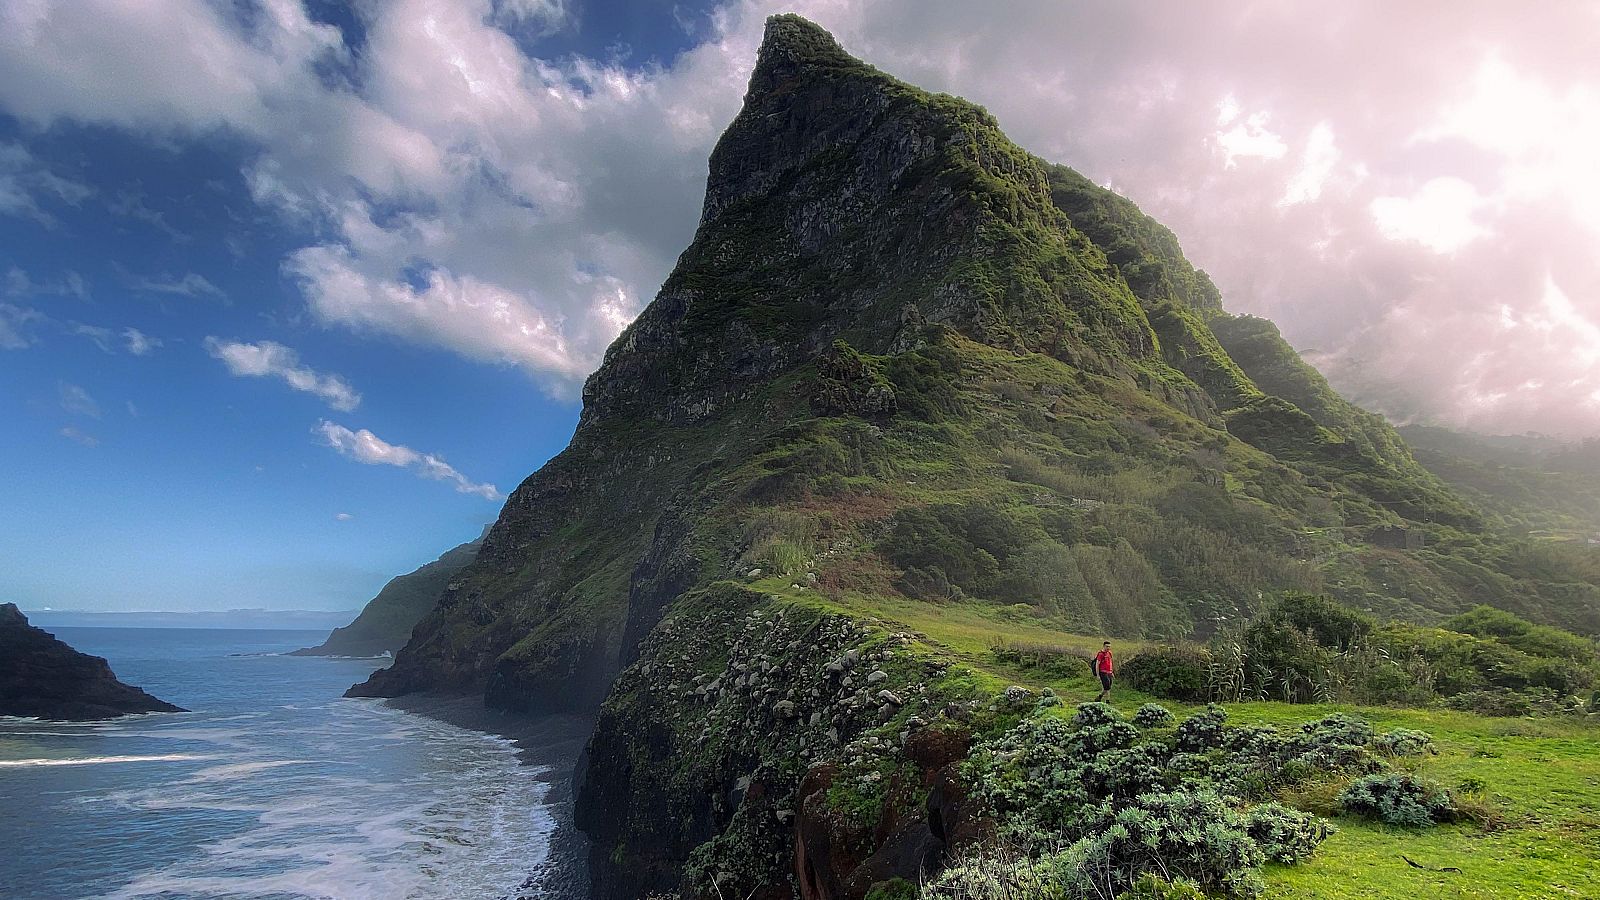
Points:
(43, 677)
(385, 624)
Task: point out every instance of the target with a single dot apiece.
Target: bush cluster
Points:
(1310, 649)
(1152, 715)
(1398, 798)
(1286, 835)
(1092, 804)
(1154, 887)
(1203, 730)
(1404, 742)
(1174, 672)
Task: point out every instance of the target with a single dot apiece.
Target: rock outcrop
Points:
(384, 624)
(42, 677)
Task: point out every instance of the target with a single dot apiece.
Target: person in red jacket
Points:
(1103, 668)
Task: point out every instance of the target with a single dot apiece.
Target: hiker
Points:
(1103, 668)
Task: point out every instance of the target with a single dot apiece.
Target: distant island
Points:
(43, 677)
(225, 619)
(385, 624)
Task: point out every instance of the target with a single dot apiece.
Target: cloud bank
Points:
(1408, 190)
(365, 447)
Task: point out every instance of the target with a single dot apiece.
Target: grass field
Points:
(1541, 777)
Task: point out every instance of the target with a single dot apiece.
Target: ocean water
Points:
(273, 787)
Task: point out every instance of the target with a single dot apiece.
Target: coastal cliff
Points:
(43, 677)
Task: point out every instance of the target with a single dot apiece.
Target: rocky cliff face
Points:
(43, 677)
(384, 624)
(904, 364)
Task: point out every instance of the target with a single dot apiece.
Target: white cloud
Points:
(14, 322)
(1316, 167)
(1250, 138)
(518, 210)
(546, 16)
(365, 447)
(77, 401)
(189, 284)
(342, 517)
(179, 65)
(100, 337)
(1438, 216)
(27, 186)
(79, 436)
(18, 283)
(269, 359)
(483, 321)
(139, 343)
(132, 339)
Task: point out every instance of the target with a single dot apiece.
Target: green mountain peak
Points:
(907, 370)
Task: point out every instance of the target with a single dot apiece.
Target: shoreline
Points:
(549, 744)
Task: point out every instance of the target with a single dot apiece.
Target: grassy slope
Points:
(1543, 776)
(386, 621)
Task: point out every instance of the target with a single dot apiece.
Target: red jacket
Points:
(1102, 662)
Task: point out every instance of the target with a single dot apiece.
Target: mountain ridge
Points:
(906, 363)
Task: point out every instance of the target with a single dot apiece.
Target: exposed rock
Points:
(41, 676)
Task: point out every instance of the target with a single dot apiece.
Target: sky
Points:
(293, 293)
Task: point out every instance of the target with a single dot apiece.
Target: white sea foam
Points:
(100, 760)
(311, 798)
(469, 823)
(233, 771)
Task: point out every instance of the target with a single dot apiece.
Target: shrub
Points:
(1054, 660)
(1154, 887)
(1285, 663)
(1286, 835)
(1174, 672)
(1338, 729)
(1337, 741)
(1190, 834)
(1203, 730)
(1507, 702)
(994, 875)
(1098, 727)
(1090, 715)
(1152, 715)
(1404, 742)
(1398, 798)
(1124, 773)
(1325, 620)
(898, 889)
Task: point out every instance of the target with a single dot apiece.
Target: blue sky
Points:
(292, 292)
(157, 479)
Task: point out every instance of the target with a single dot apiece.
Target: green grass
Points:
(1542, 775)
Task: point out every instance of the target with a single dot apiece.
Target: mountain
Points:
(385, 623)
(1540, 487)
(43, 677)
(908, 370)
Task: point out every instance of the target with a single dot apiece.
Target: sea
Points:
(273, 787)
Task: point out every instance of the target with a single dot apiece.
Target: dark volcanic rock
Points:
(41, 676)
